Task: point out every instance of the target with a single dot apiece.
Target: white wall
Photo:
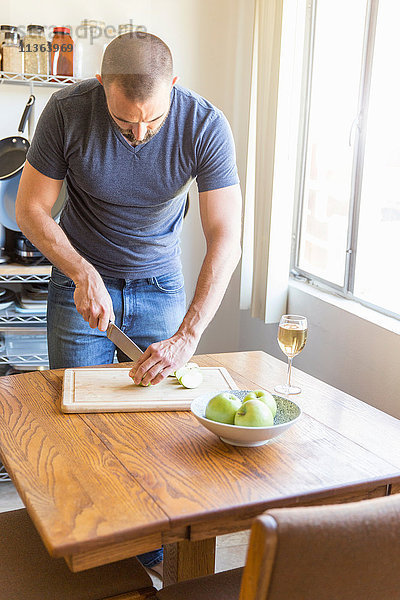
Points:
(210, 42)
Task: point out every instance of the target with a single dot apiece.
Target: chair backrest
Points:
(338, 552)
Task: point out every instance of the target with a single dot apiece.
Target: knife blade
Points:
(123, 342)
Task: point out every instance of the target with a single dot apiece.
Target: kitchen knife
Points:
(123, 342)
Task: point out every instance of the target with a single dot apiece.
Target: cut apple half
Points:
(179, 372)
(191, 378)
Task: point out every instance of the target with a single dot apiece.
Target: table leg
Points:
(395, 488)
(186, 559)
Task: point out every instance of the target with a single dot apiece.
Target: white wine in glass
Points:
(292, 336)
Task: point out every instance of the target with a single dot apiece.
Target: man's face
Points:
(138, 121)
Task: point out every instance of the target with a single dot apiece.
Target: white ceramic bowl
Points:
(287, 414)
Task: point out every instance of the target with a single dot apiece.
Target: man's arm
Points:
(36, 197)
(220, 212)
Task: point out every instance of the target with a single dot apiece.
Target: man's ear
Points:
(99, 79)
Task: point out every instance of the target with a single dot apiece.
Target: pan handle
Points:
(26, 113)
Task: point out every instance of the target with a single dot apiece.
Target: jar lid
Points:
(35, 29)
(62, 30)
(8, 28)
(11, 36)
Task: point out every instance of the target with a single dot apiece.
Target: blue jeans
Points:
(147, 310)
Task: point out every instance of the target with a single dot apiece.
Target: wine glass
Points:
(292, 336)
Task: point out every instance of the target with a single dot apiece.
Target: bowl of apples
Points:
(245, 417)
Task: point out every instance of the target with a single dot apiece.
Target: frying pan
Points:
(13, 149)
(8, 194)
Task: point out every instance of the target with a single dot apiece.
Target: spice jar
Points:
(89, 47)
(3, 31)
(13, 58)
(62, 53)
(36, 56)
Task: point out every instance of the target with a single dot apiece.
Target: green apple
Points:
(263, 396)
(139, 384)
(223, 407)
(191, 378)
(179, 372)
(254, 413)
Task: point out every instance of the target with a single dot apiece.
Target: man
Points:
(129, 144)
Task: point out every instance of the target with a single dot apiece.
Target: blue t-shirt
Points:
(125, 204)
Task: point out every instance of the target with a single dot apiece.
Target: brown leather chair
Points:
(338, 552)
(27, 572)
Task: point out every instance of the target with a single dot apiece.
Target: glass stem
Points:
(289, 371)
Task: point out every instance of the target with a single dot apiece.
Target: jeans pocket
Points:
(60, 280)
(169, 283)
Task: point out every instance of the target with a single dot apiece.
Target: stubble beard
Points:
(130, 137)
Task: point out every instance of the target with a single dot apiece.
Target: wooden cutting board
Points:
(92, 389)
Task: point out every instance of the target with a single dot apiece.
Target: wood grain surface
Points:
(187, 560)
(90, 390)
(194, 475)
(113, 552)
(95, 480)
(309, 456)
(77, 493)
(218, 526)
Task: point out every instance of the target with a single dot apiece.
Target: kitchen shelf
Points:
(17, 273)
(27, 327)
(12, 319)
(24, 347)
(13, 323)
(36, 80)
(30, 360)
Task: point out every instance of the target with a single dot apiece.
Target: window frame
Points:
(358, 142)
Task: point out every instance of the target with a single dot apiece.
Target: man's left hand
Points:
(162, 358)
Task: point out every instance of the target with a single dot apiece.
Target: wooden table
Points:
(102, 487)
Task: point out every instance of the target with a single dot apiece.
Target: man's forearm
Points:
(218, 266)
(41, 229)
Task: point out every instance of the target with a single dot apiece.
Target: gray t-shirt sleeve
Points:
(46, 153)
(216, 156)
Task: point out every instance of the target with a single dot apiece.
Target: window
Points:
(348, 229)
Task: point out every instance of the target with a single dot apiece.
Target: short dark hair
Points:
(138, 62)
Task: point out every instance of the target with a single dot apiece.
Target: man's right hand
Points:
(93, 301)
(36, 197)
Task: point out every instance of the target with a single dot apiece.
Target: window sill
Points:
(350, 306)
